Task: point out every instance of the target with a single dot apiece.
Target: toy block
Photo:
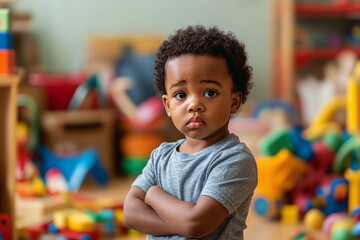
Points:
(6, 40)
(353, 101)
(333, 141)
(4, 20)
(275, 141)
(7, 62)
(303, 148)
(37, 209)
(5, 226)
(290, 214)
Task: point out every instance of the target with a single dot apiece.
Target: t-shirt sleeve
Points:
(147, 178)
(232, 179)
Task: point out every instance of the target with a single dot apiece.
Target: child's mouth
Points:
(195, 122)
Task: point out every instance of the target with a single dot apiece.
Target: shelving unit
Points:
(8, 119)
(288, 57)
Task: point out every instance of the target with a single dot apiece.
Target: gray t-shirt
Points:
(225, 171)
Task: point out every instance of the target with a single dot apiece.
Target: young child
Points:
(200, 186)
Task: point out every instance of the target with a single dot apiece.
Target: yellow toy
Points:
(290, 214)
(354, 188)
(277, 175)
(81, 222)
(314, 218)
(60, 217)
(353, 101)
(74, 220)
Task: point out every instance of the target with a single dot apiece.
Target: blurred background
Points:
(79, 117)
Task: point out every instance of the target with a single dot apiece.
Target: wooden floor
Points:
(258, 228)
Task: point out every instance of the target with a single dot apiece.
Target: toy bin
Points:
(59, 88)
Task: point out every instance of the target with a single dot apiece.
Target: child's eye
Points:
(210, 93)
(180, 95)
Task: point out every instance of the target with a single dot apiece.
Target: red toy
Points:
(5, 226)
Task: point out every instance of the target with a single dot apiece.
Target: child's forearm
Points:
(141, 217)
(186, 218)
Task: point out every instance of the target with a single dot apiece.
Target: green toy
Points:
(4, 20)
(275, 141)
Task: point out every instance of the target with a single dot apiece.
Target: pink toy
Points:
(55, 181)
(329, 221)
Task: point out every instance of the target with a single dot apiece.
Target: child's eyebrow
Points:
(212, 81)
(180, 83)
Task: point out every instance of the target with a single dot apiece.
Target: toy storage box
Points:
(69, 133)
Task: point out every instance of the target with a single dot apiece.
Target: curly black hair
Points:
(197, 40)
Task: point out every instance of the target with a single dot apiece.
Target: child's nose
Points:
(195, 105)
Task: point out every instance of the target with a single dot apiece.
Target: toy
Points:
(354, 188)
(303, 147)
(55, 181)
(329, 221)
(5, 226)
(314, 218)
(7, 52)
(35, 210)
(74, 168)
(353, 101)
(277, 175)
(4, 20)
(276, 114)
(290, 214)
(341, 230)
(271, 144)
(80, 222)
(334, 191)
(93, 83)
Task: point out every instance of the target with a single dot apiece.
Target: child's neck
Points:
(193, 145)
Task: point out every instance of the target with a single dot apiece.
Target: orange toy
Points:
(7, 61)
(277, 175)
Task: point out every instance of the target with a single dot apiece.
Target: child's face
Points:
(200, 97)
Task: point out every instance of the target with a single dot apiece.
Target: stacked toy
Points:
(315, 173)
(141, 136)
(7, 52)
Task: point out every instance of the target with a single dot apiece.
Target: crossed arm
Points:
(158, 213)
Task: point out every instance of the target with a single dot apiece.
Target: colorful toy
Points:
(290, 214)
(80, 222)
(303, 147)
(341, 230)
(284, 114)
(4, 20)
(353, 101)
(277, 175)
(7, 52)
(5, 226)
(302, 236)
(314, 218)
(55, 181)
(93, 83)
(354, 188)
(271, 144)
(334, 192)
(329, 221)
(74, 168)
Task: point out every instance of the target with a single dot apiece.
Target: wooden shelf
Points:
(303, 56)
(8, 119)
(327, 10)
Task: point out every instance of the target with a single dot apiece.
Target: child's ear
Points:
(236, 102)
(165, 101)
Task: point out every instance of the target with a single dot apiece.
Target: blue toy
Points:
(74, 168)
(335, 194)
(140, 69)
(302, 147)
(93, 83)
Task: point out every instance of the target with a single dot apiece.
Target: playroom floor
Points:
(258, 228)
